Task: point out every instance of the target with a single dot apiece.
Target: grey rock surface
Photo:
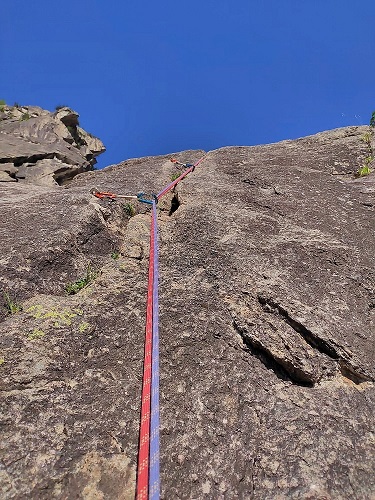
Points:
(5, 177)
(52, 143)
(267, 304)
(9, 168)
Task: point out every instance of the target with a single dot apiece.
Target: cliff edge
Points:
(44, 148)
(267, 326)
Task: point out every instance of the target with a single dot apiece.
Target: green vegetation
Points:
(129, 209)
(76, 286)
(24, 117)
(2, 361)
(365, 169)
(175, 176)
(11, 305)
(36, 334)
(115, 255)
(16, 105)
(2, 102)
(366, 138)
(83, 327)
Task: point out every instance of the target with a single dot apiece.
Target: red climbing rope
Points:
(148, 481)
(184, 174)
(144, 434)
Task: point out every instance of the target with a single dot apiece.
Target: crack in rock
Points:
(175, 204)
(284, 368)
(269, 305)
(325, 347)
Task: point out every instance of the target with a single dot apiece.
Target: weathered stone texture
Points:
(267, 300)
(51, 143)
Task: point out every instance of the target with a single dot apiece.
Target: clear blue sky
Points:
(153, 77)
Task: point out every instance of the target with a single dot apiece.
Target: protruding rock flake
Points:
(52, 143)
(267, 317)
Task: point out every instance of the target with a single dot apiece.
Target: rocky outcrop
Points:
(267, 303)
(44, 148)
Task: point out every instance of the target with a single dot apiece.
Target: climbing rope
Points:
(149, 466)
(184, 174)
(185, 165)
(144, 433)
(148, 471)
(154, 481)
(148, 483)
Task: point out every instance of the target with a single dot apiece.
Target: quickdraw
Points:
(185, 165)
(142, 197)
(148, 471)
(101, 194)
(112, 196)
(184, 174)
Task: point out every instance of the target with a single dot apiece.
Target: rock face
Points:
(267, 325)
(44, 148)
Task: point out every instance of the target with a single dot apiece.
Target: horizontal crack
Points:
(269, 305)
(347, 370)
(282, 368)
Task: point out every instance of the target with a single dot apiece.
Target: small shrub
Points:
(115, 255)
(11, 305)
(76, 286)
(2, 102)
(372, 119)
(24, 117)
(365, 169)
(362, 171)
(16, 105)
(366, 138)
(129, 209)
(175, 176)
(2, 361)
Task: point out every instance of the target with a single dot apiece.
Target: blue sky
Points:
(152, 77)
